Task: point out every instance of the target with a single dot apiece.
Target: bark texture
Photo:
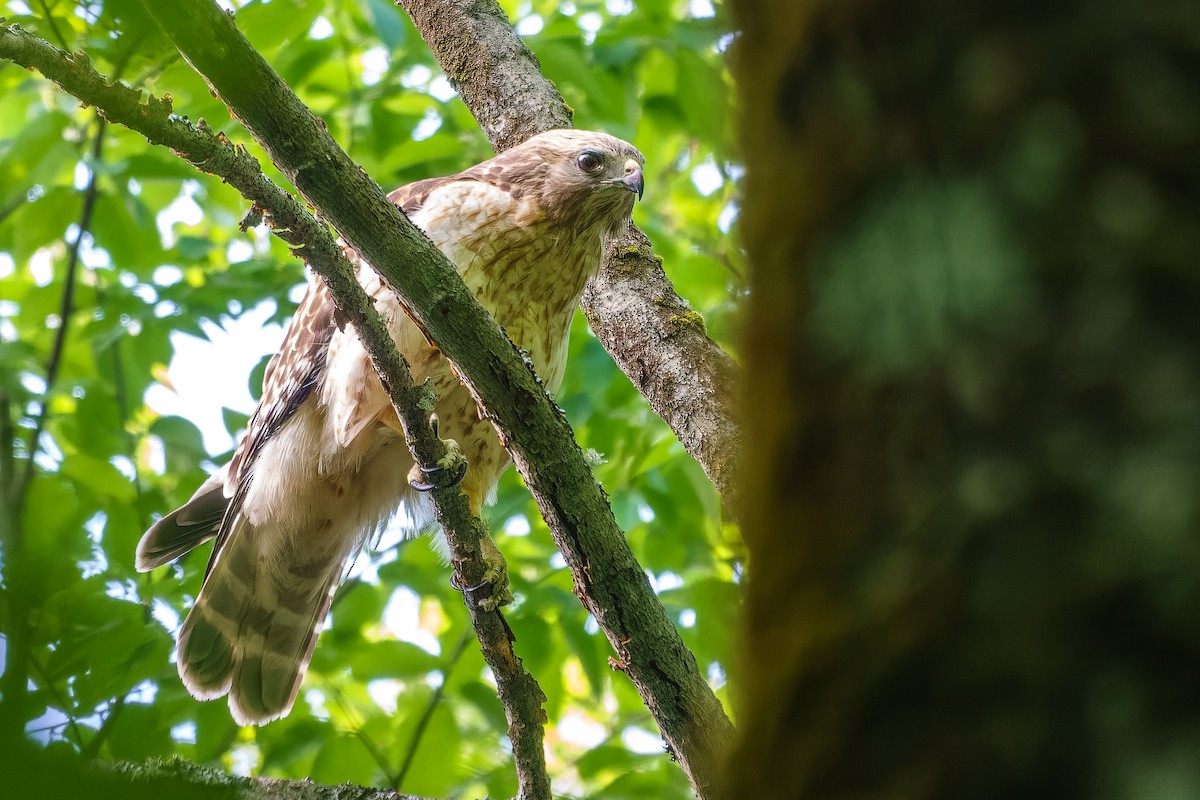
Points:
(660, 343)
(496, 74)
(974, 358)
(648, 329)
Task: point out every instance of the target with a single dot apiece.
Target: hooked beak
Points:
(634, 181)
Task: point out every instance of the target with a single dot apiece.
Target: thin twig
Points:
(121, 400)
(65, 309)
(153, 72)
(8, 465)
(14, 680)
(110, 720)
(48, 682)
(367, 742)
(62, 42)
(423, 723)
(378, 756)
(19, 657)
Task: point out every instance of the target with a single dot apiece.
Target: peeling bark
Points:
(665, 351)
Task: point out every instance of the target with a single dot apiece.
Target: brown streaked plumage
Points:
(322, 467)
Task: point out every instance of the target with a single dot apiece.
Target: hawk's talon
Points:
(495, 575)
(456, 587)
(454, 463)
(422, 485)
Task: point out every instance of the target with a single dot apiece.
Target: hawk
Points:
(323, 464)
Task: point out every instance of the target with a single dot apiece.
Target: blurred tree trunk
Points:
(973, 473)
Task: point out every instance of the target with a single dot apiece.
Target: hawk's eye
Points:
(590, 161)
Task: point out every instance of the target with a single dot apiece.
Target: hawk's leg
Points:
(448, 471)
(495, 576)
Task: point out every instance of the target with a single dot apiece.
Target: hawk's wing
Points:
(299, 366)
(291, 375)
(412, 196)
(513, 172)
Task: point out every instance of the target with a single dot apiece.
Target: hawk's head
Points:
(577, 179)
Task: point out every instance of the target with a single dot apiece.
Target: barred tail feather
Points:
(267, 678)
(253, 628)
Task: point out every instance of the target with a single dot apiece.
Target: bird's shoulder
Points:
(412, 197)
(466, 210)
(514, 175)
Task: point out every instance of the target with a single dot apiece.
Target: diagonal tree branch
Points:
(649, 330)
(212, 153)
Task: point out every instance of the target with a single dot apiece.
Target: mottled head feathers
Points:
(576, 179)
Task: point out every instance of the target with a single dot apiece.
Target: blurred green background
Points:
(973, 333)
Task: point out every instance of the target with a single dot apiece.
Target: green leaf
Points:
(37, 155)
(268, 25)
(389, 23)
(391, 659)
(139, 733)
(181, 441)
(433, 770)
(215, 730)
(257, 376)
(235, 421)
(125, 227)
(344, 759)
(97, 476)
(40, 223)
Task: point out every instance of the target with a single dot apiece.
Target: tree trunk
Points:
(974, 352)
